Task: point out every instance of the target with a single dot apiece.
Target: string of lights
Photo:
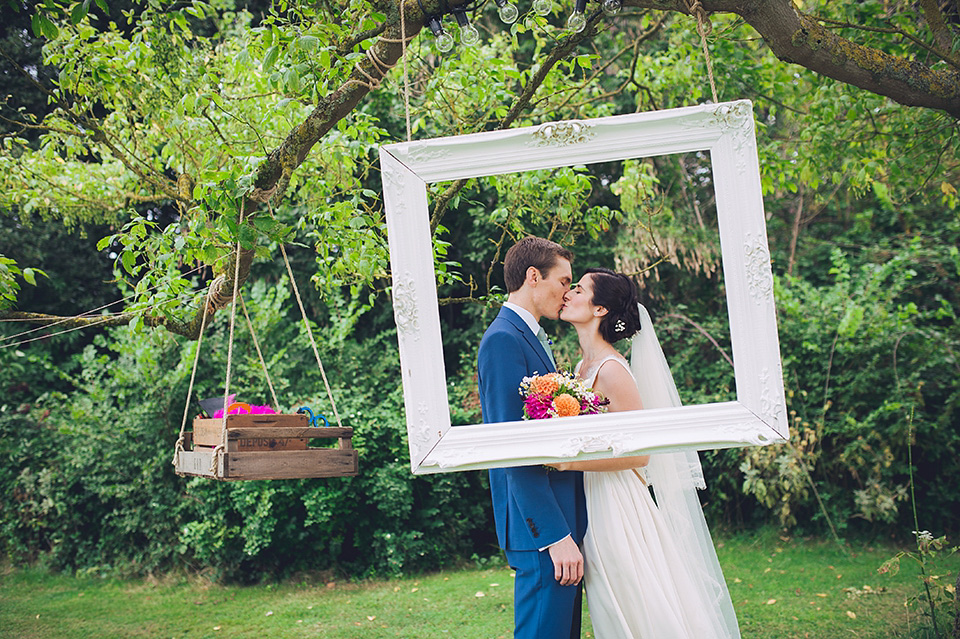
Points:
(508, 13)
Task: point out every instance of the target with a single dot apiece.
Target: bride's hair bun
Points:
(618, 294)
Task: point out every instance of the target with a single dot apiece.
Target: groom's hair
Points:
(540, 253)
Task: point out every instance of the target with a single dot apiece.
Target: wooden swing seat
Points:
(271, 446)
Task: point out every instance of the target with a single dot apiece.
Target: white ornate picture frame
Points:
(726, 130)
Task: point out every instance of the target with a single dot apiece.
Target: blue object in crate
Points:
(311, 419)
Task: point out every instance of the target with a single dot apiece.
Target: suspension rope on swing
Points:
(241, 445)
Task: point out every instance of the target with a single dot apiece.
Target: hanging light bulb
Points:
(542, 7)
(611, 7)
(507, 10)
(469, 35)
(444, 39)
(577, 21)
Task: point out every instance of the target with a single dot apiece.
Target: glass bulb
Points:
(469, 35)
(444, 42)
(542, 7)
(611, 7)
(577, 21)
(508, 12)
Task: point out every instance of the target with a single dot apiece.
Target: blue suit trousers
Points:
(542, 608)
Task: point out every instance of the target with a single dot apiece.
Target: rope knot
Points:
(695, 9)
(262, 195)
(216, 298)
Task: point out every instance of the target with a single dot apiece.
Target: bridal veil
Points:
(675, 478)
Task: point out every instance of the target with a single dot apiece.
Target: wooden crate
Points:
(209, 432)
(266, 447)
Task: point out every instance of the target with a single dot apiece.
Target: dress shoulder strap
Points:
(592, 379)
(616, 358)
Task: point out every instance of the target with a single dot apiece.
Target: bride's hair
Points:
(616, 293)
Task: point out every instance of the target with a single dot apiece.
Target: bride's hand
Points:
(559, 466)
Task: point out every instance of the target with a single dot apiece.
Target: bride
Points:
(650, 567)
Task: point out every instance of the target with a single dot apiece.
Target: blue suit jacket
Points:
(533, 508)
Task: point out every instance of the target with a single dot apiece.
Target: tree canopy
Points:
(262, 127)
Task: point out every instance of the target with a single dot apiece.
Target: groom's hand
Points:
(567, 562)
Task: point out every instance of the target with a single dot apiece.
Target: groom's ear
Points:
(533, 275)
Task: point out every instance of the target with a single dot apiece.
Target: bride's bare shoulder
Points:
(616, 383)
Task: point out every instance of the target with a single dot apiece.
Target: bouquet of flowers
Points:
(559, 395)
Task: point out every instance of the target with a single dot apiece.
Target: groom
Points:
(540, 516)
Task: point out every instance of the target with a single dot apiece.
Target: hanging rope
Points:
(704, 27)
(382, 67)
(403, 56)
(256, 344)
(178, 448)
(313, 343)
(219, 450)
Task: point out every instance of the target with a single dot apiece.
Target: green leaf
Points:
(264, 224)
(248, 236)
(851, 321)
(268, 60)
(129, 262)
(292, 79)
(50, 30)
(308, 43)
(79, 12)
(29, 276)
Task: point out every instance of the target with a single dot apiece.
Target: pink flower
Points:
(239, 408)
(592, 405)
(537, 406)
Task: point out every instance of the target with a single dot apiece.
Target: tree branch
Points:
(703, 332)
(798, 38)
(219, 295)
(938, 26)
(940, 53)
(274, 172)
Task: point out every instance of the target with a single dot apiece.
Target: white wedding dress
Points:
(651, 572)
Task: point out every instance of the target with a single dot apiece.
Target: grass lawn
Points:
(782, 588)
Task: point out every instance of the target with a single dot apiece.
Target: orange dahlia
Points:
(566, 405)
(545, 384)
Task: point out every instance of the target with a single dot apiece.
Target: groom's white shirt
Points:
(534, 326)
(525, 315)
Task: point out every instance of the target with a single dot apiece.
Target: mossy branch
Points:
(801, 38)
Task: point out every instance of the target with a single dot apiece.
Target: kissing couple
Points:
(649, 567)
